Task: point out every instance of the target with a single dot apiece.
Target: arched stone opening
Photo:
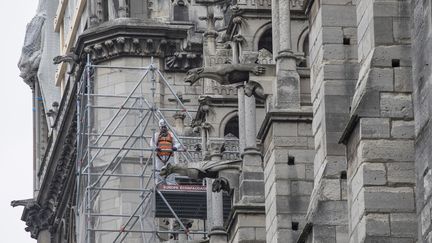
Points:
(266, 41)
(232, 127)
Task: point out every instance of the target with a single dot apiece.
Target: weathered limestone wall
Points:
(380, 145)
(421, 59)
(286, 133)
(333, 57)
(288, 174)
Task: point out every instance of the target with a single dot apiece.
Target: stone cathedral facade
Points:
(315, 112)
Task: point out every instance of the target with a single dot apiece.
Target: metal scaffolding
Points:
(116, 163)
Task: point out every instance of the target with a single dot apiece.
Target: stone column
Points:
(251, 178)
(241, 98)
(44, 236)
(92, 8)
(250, 121)
(241, 118)
(204, 141)
(179, 116)
(285, 48)
(249, 209)
(235, 52)
(217, 231)
(275, 27)
(112, 13)
(287, 86)
(123, 9)
(179, 122)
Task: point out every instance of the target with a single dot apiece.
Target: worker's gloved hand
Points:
(158, 149)
(174, 149)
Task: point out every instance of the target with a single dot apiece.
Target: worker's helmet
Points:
(162, 123)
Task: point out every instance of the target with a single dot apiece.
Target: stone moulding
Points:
(56, 169)
(136, 38)
(40, 214)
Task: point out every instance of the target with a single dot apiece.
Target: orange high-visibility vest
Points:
(165, 143)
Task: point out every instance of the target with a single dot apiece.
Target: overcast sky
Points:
(15, 123)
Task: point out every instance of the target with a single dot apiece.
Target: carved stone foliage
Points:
(114, 47)
(170, 50)
(224, 90)
(183, 61)
(265, 57)
(295, 4)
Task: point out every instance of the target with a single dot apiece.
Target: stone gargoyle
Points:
(207, 171)
(225, 74)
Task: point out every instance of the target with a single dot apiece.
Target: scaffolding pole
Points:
(108, 148)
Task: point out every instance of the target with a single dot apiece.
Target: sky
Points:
(16, 163)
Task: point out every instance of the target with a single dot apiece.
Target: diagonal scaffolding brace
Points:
(109, 146)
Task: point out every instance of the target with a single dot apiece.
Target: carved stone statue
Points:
(32, 50)
(225, 74)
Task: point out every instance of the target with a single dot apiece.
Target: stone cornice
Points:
(137, 38)
(284, 116)
(243, 209)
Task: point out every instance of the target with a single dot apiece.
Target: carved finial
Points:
(211, 22)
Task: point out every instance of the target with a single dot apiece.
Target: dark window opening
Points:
(343, 175)
(346, 41)
(266, 41)
(291, 160)
(232, 127)
(294, 226)
(395, 63)
(304, 63)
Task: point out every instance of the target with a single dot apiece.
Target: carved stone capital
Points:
(218, 231)
(221, 184)
(179, 116)
(255, 89)
(183, 61)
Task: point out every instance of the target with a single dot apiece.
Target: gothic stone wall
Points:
(380, 148)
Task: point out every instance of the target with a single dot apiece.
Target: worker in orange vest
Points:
(166, 145)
